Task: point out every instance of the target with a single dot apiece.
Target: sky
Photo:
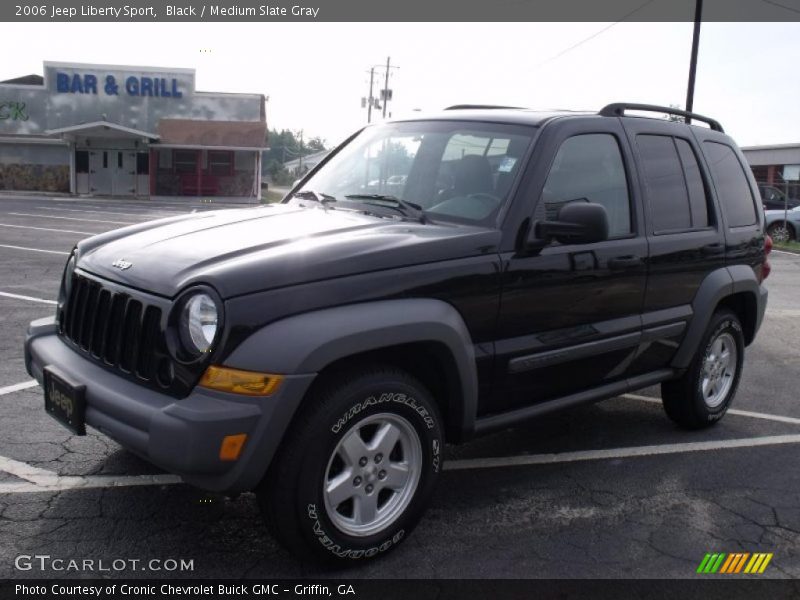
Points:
(315, 74)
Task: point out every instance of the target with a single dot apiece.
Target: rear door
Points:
(570, 313)
(683, 229)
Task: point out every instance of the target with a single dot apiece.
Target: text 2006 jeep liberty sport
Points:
(434, 279)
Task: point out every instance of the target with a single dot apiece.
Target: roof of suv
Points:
(526, 116)
(517, 116)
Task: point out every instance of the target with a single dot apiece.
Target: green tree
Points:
(675, 118)
(285, 146)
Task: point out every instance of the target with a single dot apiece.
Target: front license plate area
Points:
(65, 401)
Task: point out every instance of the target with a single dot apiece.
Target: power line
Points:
(594, 35)
(779, 5)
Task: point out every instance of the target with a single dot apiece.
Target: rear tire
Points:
(701, 397)
(780, 232)
(357, 469)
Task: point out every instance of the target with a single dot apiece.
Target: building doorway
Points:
(112, 172)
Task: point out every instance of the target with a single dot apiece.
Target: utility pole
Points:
(370, 99)
(386, 85)
(300, 167)
(698, 16)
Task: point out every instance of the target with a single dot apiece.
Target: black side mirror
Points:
(578, 222)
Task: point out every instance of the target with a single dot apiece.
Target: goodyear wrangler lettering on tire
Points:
(387, 397)
(359, 466)
(340, 552)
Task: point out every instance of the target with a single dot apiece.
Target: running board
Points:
(507, 419)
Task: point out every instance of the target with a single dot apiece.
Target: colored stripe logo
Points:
(737, 562)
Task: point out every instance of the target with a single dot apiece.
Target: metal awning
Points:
(102, 129)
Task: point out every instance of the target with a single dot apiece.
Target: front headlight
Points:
(66, 280)
(198, 323)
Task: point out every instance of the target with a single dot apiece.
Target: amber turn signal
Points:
(232, 446)
(235, 381)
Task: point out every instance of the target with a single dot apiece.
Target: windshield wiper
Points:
(408, 209)
(318, 196)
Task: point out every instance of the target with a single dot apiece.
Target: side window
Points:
(675, 190)
(734, 191)
(590, 167)
(698, 199)
(666, 188)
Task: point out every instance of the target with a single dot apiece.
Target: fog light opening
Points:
(236, 381)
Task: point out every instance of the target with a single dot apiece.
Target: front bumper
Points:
(180, 436)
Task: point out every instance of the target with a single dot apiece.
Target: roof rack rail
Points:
(478, 107)
(618, 110)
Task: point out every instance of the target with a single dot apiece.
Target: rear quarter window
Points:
(733, 189)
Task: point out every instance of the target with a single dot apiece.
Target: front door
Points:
(570, 316)
(100, 172)
(124, 179)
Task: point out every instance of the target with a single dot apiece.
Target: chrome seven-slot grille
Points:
(115, 328)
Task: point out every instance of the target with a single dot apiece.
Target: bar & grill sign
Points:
(110, 85)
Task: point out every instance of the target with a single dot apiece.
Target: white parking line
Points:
(9, 389)
(16, 214)
(149, 204)
(110, 212)
(33, 249)
(42, 480)
(47, 229)
(783, 312)
(28, 298)
(631, 452)
(731, 411)
(37, 480)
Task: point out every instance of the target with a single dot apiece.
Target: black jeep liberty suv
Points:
(434, 279)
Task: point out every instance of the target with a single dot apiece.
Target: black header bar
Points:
(151, 11)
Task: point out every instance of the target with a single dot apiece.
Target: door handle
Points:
(711, 249)
(624, 262)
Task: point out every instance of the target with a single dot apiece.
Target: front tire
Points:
(701, 397)
(357, 468)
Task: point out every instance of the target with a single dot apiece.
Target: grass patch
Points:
(270, 196)
(788, 247)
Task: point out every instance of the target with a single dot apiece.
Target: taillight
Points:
(766, 268)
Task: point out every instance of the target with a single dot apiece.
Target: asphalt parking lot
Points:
(603, 491)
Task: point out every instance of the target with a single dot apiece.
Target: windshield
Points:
(453, 170)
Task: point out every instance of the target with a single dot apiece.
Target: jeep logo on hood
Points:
(122, 264)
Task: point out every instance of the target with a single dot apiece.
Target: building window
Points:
(105, 159)
(184, 161)
(81, 161)
(142, 163)
(220, 162)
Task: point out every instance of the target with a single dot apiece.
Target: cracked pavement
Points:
(641, 517)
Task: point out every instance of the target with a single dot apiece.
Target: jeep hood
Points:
(247, 250)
